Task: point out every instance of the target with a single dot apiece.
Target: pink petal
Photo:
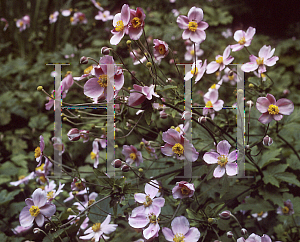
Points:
(250, 66)
(151, 231)
(211, 157)
(253, 58)
(180, 225)
(286, 107)
(107, 229)
(135, 33)
(39, 197)
(136, 99)
(261, 69)
(226, 52)
(168, 234)
(231, 169)
(271, 61)
(167, 150)
(138, 210)
(186, 34)
(192, 235)
(190, 152)
(223, 147)
(26, 220)
(140, 197)
(125, 13)
(265, 118)
(159, 202)
(228, 60)
(238, 35)
(116, 38)
(92, 88)
(171, 136)
(48, 210)
(88, 236)
(138, 221)
(233, 156)
(264, 51)
(151, 190)
(195, 14)
(217, 106)
(212, 67)
(271, 98)
(29, 202)
(236, 47)
(182, 22)
(250, 33)
(262, 104)
(219, 172)
(198, 36)
(202, 25)
(40, 220)
(277, 117)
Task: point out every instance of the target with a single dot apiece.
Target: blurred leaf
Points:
(6, 197)
(269, 156)
(288, 177)
(39, 122)
(5, 117)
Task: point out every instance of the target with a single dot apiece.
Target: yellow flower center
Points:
(93, 155)
(99, 4)
(50, 194)
(43, 179)
(72, 19)
(193, 26)
(285, 209)
(231, 77)
(37, 152)
(222, 160)
(213, 86)
(21, 23)
(79, 185)
(120, 26)
(96, 227)
(148, 201)
(218, 73)
(21, 177)
(192, 52)
(40, 168)
(273, 109)
(178, 237)
(91, 202)
(263, 75)
(260, 61)
(136, 22)
(51, 16)
(185, 190)
(194, 71)
(219, 60)
(68, 73)
(81, 18)
(208, 104)
(132, 156)
(242, 41)
(42, 187)
(153, 219)
(260, 214)
(161, 49)
(34, 211)
(88, 70)
(102, 80)
(178, 149)
(178, 129)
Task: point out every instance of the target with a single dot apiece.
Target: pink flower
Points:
(183, 189)
(150, 203)
(51, 192)
(271, 109)
(260, 216)
(197, 70)
(161, 49)
(179, 146)
(120, 23)
(6, 23)
(100, 84)
(37, 207)
(181, 231)
(287, 209)
(53, 17)
(78, 17)
(88, 200)
(97, 5)
(224, 160)
(255, 238)
(77, 184)
(229, 76)
(95, 152)
(148, 148)
(193, 25)
(132, 155)
(23, 179)
(265, 59)
(136, 23)
(104, 16)
(38, 152)
(23, 23)
(243, 38)
(212, 103)
(139, 94)
(99, 229)
(190, 52)
(19, 229)
(220, 62)
(137, 58)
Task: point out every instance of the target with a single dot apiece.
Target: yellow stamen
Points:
(185, 190)
(178, 237)
(34, 211)
(93, 155)
(192, 52)
(148, 201)
(161, 49)
(231, 77)
(285, 209)
(178, 149)
(213, 86)
(194, 71)
(260, 61)
(68, 73)
(193, 26)
(132, 156)
(273, 109)
(21, 177)
(79, 185)
(102, 80)
(40, 168)
(260, 214)
(42, 179)
(37, 152)
(120, 26)
(72, 19)
(153, 219)
(219, 60)
(222, 160)
(50, 195)
(88, 70)
(208, 104)
(81, 18)
(178, 129)
(242, 41)
(91, 202)
(136, 22)
(263, 75)
(96, 227)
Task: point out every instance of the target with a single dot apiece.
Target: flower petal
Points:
(168, 234)
(223, 147)
(39, 197)
(286, 107)
(212, 67)
(211, 157)
(25, 218)
(180, 225)
(262, 104)
(233, 156)
(182, 22)
(250, 66)
(195, 14)
(219, 172)
(92, 88)
(48, 210)
(192, 235)
(40, 220)
(265, 118)
(231, 168)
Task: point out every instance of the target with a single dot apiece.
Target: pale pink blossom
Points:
(53, 17)
(161, 49)
(6, 23)
(78, 18)
(230, 76)
(183, 189)
(120, 23)
(255, 238)
(212, 103)
(272, 109)
(193, 25)
(97, 5)
(197, 70)
(264, 59)
(66, 12)
(260, 216)
(220, 62)
(136, 23)
(287, 208)
(132, 155)
(23, 179)
(243, 38)
(104, 16)
(226, 162)
(19, 229)
(190, 52)
(139, 94)
(23, 23)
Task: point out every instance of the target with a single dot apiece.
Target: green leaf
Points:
(293, 162)
(39, 121)
(103, 179)
(6, 197)
(4, 179)
(288, 177)
(269, 174)
(268, 157)
(166, 87)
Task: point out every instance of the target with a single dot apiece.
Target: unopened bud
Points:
(267, 141)
(149, 64)
(65, 119)
(117, 163)
(225, 214)
(163, 114)
(73, 134)
(286, 92)
(47, 226)
(39, 88)
(244, 231)
(202, 120)
(210, 220)
(125, 168)
(230, 73)
(250, 103)
(128, 43)
(251, 85)
(105, 51)
(142, 144)
(36, 230)
(141, 170)
(229, 234)
(84, 60)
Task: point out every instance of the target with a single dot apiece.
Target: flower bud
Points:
(210, 220)
(202, 120)
(141, 170)
(225, 215)
(36, 230)
(65, 119)
(39, 88)
(229, 234)
(163, 114)
(73, 134)
(128, 43)
(105, 50)
(149, 64)
(251, 85)
(286, 91)
(267, 141)
(125, 168)
(84, 60)
(117, 163)
(250, 103)
(244, 231)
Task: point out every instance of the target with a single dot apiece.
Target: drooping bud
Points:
(141, 170)
(39, 88)
(36, 230)
(125, 168)
(128, 43)
(210, 220)
(202, 120)
(117, 163)
(244, 231)
(267, 141)
(225, 214)
(229, 234)
(84, 60)
(250, 103)
(105, 50)
(73, 134)
(163, 114)
(149, 64)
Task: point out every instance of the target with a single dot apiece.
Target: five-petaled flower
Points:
(37, 207)
(23, 23)
(161, 49)
(136, 23)
(181, 231)
(255, 238)
(265, 59)
(139, 94)
(183, 189)
(224, 160)
(193, 25)
(272, 109)
(132, 155)
(120, 23)
(287, 208)
(197, 70)
(243, 38)
(220, 62)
